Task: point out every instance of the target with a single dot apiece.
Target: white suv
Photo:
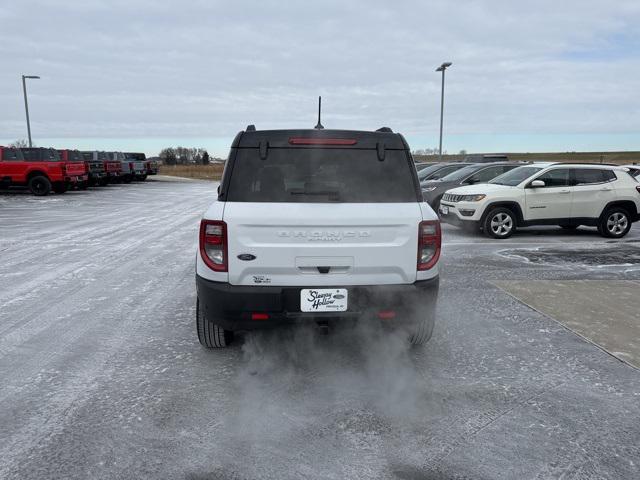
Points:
(317, 226)
(569, 195)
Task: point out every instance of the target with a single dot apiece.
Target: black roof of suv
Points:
(252, 138)
(379, 159)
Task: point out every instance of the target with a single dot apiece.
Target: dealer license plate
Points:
(323, 299)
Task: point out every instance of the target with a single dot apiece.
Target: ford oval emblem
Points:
(247, 257)
(338, 296)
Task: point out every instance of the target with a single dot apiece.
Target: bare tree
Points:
(168, 156)
(20, 143)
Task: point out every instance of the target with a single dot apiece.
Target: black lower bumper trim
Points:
(231, 306)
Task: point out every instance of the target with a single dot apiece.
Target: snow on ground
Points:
(102, 375)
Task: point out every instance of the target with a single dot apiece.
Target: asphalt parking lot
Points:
(103, 377)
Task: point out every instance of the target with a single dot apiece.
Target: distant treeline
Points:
(186, 156)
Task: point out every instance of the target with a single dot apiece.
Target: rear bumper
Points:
(231, 306)
(76, 178)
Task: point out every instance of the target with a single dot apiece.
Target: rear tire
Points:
(39, 185)
(499, 223)
(211, 335)
(422, 328)
(614, 223)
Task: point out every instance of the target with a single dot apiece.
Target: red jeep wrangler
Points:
(40, 169)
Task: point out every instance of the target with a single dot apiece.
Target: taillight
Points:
(64, 169)
(429, 244)
(213, 244)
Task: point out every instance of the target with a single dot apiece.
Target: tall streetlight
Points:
(442, 68)
(26, 104)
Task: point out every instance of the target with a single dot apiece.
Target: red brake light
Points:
(259, 316)
(429, 244)
(386, 314)
(213, 244)
(322, 141)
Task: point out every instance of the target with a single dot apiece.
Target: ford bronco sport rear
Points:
(317, 225)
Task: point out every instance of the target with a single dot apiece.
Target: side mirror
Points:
(471, 181)
(537, 184)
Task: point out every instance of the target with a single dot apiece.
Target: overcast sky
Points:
(143, 74)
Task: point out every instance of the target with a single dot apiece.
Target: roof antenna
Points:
(319, 125)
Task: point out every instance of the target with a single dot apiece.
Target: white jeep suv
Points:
(568, 195)
(317, 226)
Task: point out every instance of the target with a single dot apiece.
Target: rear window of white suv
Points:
(588, 176)
(322, 175)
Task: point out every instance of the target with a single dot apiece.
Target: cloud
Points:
(207, 68)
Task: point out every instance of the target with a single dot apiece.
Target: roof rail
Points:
(251, 128)
(589, 163)
(384, 130)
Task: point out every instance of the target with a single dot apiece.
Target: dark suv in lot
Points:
(469, 175)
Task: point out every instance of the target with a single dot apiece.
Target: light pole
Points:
(442, 68)
(26, 104)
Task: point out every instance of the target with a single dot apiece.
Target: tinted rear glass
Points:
(75, 156)
(428, 170)
(41, 154)
(315, 175)
(461, 174)
(11, 154)
(586, 176)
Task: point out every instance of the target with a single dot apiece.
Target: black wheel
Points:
(40, 185)
(499, 223)
(421, 330)
(211, 335)
(569, 227)
(143, 177)
(126, 179)
(60, 187)
(104, 182)
(420, 327)
(614, 223)
(83, 186)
